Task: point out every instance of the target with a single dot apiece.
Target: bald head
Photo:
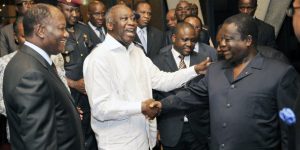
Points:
(247, 6)
(171, 19)
(96, 13)
(183, 10)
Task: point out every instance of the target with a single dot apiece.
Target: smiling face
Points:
(55, 33)
(231, 44)
(123, 24)
(184, 39)
(183, 10)
(70, 13)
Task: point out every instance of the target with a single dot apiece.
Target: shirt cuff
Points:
(134, 107)
(191, 71)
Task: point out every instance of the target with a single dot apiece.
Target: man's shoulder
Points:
(7, 28)
(154, 30)
(263, 24)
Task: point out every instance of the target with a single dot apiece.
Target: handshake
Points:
(151, 108)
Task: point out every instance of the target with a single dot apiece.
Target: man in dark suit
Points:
(266, 32)
(77, 47)
(39, 108)
(96, 24)
(181, 130)
(150, 38)
(243, 103)
(7, 40)
(201, 46)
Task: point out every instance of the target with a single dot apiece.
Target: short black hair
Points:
(38, 14)
(139, 3)
(245, 25)
(16, 23)
(181, 25)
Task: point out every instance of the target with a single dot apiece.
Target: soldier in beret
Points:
(77, 48)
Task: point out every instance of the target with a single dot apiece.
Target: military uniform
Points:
(77, 48)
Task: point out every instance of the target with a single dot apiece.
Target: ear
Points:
(173, 37)
(249, 40)
(88, 16)
(40, 30)
(109, 26)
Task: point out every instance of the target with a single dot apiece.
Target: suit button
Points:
(224, 125)
(222, 146)
(228, 105)
(232, 86)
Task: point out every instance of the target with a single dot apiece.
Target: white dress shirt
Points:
(196, 48)
(117, 80)
(142, 37)
(177, 59)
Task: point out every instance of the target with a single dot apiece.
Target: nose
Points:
(66, 33)
(73, 13)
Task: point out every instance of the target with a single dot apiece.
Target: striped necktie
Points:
(182, 65)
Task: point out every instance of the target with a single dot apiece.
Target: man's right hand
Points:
(149, 108)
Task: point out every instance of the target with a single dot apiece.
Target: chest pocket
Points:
(262, 106)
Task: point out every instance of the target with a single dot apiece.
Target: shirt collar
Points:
(256, 62)
(40, 51)
(144, 29)
(115, 44)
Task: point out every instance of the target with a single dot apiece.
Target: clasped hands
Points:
(151, 108)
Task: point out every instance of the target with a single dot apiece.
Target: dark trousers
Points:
(188, 141)
(82, 101)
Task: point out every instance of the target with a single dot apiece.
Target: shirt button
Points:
(232, 86)
(224, 125)
(228, 105)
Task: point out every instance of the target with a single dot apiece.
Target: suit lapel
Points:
(46, 65)
(150, 37)
(170, 62)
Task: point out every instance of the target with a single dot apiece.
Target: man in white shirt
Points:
(119, 81)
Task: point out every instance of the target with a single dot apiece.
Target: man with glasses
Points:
(7, 42)
(78, 46)
(266, 32)
(96, 15)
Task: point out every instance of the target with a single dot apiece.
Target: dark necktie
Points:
(101, 34)
(182, 65)
(54, 68)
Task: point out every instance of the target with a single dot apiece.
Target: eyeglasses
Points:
(26, 3)
(291, 11)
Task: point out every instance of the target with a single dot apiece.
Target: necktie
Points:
(54, 68)
(101, 34)
(143, 40)
(182, 65)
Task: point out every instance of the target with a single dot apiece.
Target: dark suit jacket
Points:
(94, 37)
(39, 108)
(7, 40)
(204, 37)
(296, 128)
(244, 111)
(206, 50)
(266, 34)
(170, 125)
(155, 41)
